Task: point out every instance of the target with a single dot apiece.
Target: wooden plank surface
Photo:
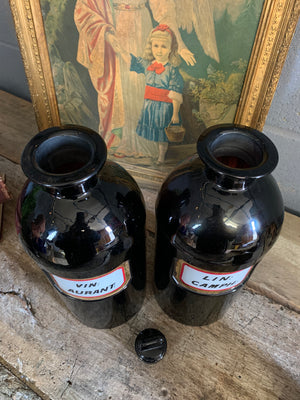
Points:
(2, 180)
(13, 388)
(17, 125)
(278, 275)
(252, 353)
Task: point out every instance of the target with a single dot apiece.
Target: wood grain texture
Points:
(12, 388)
(2, 179)
(17, 125)
(252, 353)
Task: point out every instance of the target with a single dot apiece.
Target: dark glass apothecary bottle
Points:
(82, 219)
(217, 216)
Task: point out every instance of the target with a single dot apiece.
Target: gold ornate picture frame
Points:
(271, 39)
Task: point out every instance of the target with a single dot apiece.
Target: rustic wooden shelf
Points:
(252, 353)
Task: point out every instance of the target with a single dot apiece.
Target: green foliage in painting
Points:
(219, 91)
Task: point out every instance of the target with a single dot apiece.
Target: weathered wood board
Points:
(13, 388)
(252, 353)
(17, 125)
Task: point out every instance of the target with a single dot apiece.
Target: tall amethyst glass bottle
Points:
(217, 215)
(82, 219)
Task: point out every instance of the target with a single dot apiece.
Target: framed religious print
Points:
(150, 75)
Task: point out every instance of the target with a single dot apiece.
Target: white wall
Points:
(283, 126)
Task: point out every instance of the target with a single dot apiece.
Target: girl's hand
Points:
(175, 119)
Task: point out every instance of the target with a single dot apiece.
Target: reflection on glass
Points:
(38, 226)
(79, 242)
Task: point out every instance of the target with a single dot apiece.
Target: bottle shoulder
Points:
(95, 230)
(202, 220)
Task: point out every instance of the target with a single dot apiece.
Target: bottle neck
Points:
(73, 191)
(227, 182)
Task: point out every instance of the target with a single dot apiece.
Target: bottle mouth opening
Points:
(238, 151)
(63, 154)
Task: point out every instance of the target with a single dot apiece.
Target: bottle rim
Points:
(64, 155)
(245, 143)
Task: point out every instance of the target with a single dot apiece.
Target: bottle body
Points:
(212, 231)
(89, 239)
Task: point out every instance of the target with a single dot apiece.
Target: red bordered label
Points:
(207, 282)
(95, 288)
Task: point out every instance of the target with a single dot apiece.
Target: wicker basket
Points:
(175, 132)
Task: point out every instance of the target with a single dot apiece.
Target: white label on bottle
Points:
(208, 282)
(95, 288)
